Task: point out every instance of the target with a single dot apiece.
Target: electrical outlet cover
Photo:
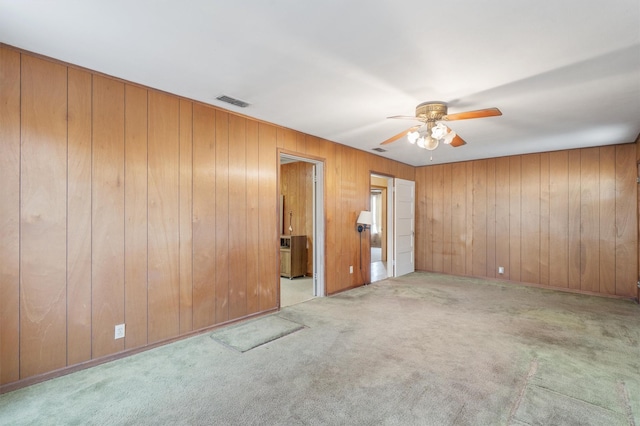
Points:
(119, 331)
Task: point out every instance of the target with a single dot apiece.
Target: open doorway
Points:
(301, 229)
(382, 227)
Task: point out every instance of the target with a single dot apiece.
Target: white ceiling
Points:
(565, 73)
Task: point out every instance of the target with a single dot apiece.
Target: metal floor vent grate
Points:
(379, 149)
(233, 101)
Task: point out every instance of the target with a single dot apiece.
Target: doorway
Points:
(381, 203)
(301, 229)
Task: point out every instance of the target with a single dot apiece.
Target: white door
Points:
(404, 235)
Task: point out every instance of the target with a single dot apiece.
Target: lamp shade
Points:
(365, 218)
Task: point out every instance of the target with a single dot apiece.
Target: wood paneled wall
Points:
(565, 219)
(123, 204)
(296, 185)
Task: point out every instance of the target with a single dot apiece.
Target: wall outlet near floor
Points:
(501, 269)
(351, 269)
(119, 334)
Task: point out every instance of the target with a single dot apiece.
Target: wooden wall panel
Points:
(428, 236)
(163, 223)
(186, 216)
(530, 219)
(552, 219)
(204, 216)
(479, 219)
(502, 216)
(544, 218)
(253, 218)
(79, 217)
(43, 334)
(237, 217)
(574, 257)
(438, 218)
(607, 216)
(458, 218)
(446, 223)
(136, 215)
(296, 185)
(421, 211)
(331, 234)
(590, 219)
(107, 231)
(626, 222)
(268, 235)
(9, 215)
(222, 216)
(559, 226)
(491, 218)
(515, 218)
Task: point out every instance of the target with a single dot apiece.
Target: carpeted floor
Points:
(424, 349)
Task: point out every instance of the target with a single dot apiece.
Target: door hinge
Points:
(638, 180)
(638, 284)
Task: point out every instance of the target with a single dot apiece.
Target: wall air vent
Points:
(379, 149)
(233, 101)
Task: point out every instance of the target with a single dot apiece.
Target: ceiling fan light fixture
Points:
(413, 137)
(449, 137)
(431, 143)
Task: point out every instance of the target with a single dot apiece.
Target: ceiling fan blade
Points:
(405, 117)
(457, 141)
(481, 113)
(399, 135)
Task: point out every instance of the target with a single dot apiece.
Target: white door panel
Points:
(404, 226)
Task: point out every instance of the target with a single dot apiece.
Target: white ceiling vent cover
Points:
(233, 101)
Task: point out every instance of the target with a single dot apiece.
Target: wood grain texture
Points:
(237, 217)
(9, 215)
(574, 257)
(269, 242)
(469, 232)
(458, 218)
(446, 222)
(222, 216)
(530, 214)
(107, 223)
(545, 217)
(79, 217)
(491, 218)
(163, 210)
(502, 216)
(43, 245)
(253, 218)
(136, 215)
(626, 221)
(438, 218)
(607, 217)
(515, 218)
(186, 216)
(589, 219)
(559, 215)
(479, 219)
(204, 216)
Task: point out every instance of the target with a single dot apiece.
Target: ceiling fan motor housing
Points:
(431, 111)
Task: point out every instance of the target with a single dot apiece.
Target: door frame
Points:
(319, 240)
(391, 261)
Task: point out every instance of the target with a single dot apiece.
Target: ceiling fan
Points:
(432, 131)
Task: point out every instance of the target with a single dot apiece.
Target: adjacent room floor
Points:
(424, 349)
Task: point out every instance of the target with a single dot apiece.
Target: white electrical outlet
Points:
(119, 334)
(351, 269)
(501, 269)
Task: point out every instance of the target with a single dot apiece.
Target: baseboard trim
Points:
(13, 386)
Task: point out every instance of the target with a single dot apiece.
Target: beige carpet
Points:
(424, 349)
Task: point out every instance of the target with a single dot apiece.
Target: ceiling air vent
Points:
(379, 149)
(233, 101)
